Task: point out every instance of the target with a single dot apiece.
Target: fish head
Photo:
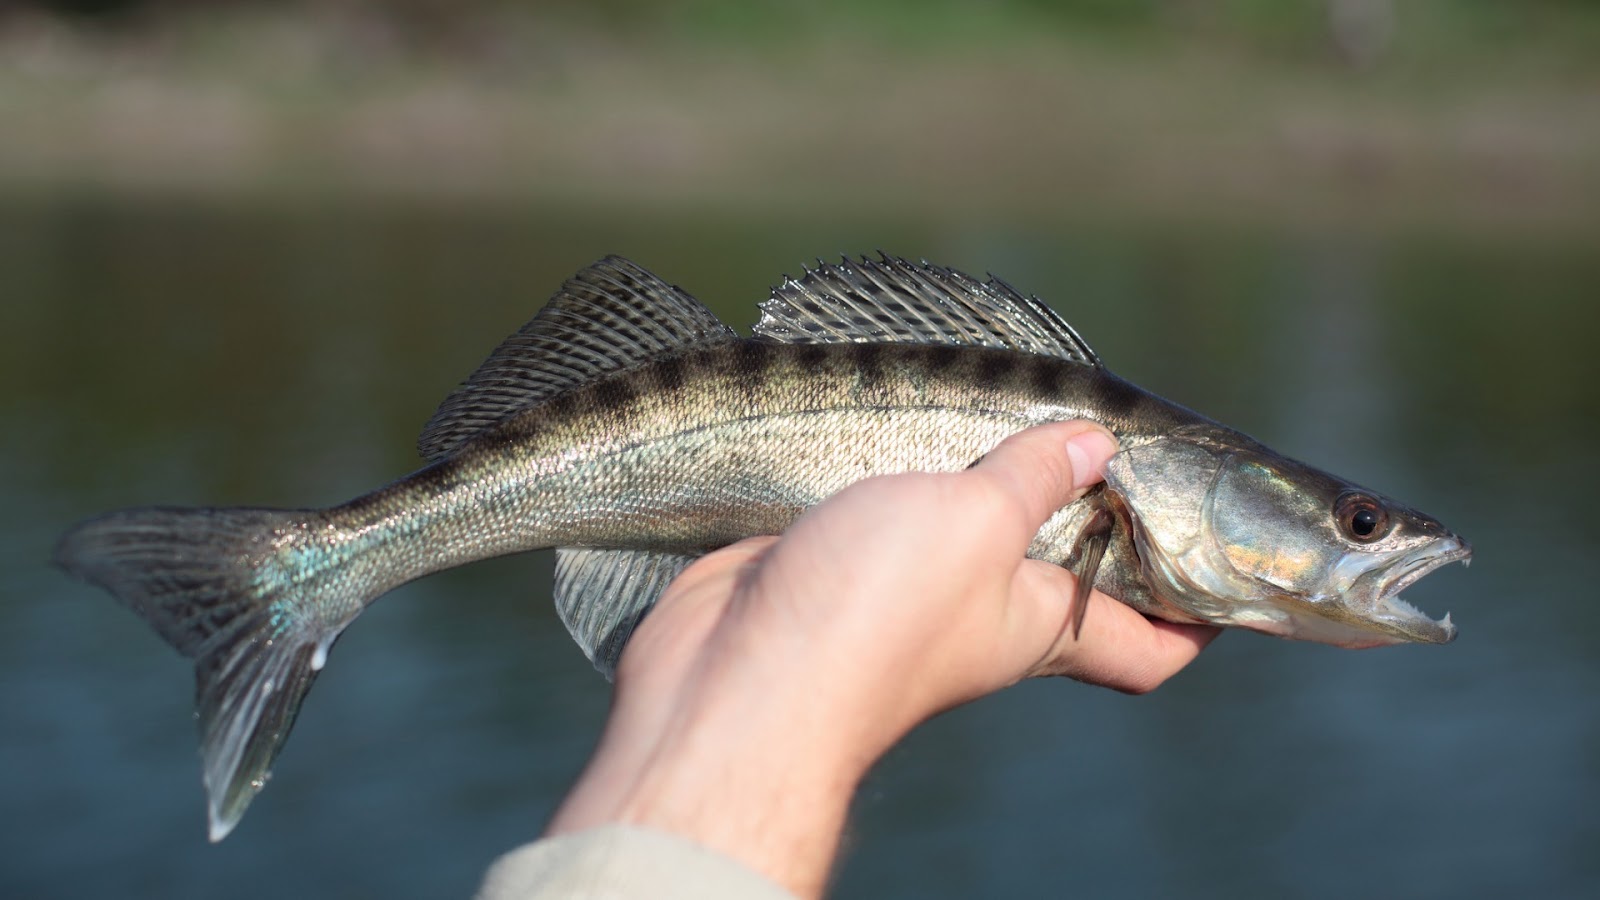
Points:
(1229, 532)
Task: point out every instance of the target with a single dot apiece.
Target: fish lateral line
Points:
(574, 434)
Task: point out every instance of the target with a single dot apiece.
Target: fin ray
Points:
(602, 595)
(193, 574)
(892, 300)
(1095, 537)
(611, 316)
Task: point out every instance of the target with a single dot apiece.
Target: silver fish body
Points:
(709, 446)
(629, 428)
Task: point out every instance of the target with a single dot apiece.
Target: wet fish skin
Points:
(629, 427)
(1232, 533)
(627, 463)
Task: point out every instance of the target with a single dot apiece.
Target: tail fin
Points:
(215, 584)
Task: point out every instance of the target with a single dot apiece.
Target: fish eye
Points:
(1361, 518)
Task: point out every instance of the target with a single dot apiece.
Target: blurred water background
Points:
(245, 249)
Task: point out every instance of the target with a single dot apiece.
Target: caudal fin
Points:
(218, 585)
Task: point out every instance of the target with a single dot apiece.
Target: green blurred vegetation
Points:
(1473, 114)
(1272, 26)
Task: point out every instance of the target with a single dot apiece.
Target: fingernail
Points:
(1089, 452)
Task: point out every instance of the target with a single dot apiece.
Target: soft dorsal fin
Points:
(890, 299)
(602, 594)
(611, 316)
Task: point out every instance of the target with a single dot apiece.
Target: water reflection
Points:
(290, 356)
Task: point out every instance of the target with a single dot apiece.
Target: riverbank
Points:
(1050, 125)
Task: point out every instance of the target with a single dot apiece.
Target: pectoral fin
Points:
(1092, 543)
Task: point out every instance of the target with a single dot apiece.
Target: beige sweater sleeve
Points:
(623, 862)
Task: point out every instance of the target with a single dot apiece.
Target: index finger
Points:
(1119, 648)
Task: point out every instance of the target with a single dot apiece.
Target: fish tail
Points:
(222, 587)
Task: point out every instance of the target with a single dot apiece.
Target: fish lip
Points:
(1401, 616)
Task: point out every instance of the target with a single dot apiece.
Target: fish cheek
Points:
(1164, 485)
(1272, 530)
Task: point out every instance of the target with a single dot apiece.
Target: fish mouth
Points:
(1400, 617)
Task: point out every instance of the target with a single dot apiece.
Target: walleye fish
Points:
(630, 429)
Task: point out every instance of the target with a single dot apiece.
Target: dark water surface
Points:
(162, 354)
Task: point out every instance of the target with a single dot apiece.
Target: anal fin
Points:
(602, 595)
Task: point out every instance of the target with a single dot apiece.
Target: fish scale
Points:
(628, 428)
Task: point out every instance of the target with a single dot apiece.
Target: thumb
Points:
(1044, 468)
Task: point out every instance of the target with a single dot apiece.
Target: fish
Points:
(631, 430)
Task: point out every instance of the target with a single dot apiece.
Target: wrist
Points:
(752, 767)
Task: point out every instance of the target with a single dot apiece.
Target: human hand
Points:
(774, 672)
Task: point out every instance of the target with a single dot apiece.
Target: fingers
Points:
(702, 590)
(728, 559)
(1045, 468)
(1168, 648)
(1119, 647)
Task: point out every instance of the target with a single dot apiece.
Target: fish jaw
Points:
(1372, 613)
(1401, 617)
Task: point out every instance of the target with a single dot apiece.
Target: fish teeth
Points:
(1401, 606)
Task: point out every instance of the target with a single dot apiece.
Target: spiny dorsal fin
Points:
(602, 594)
(890, 299)
(611, 316)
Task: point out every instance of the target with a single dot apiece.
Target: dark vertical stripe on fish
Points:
(562, 405)
(1120, 400)
(943, 357)
(1044, 375)
(621, 392)
(752, 360)
(868, 359)
(994, 367)
(669, 373)
(812, 356)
